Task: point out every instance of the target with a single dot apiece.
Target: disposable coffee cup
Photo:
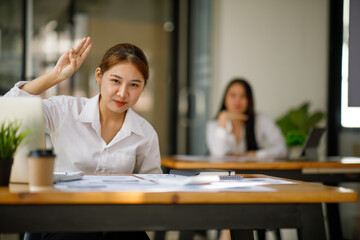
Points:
(41, 170)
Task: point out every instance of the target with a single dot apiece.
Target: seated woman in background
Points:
(239, 131)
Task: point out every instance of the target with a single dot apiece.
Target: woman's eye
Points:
(115, 81)
(134, 85)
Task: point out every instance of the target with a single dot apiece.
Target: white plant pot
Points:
(295, 152)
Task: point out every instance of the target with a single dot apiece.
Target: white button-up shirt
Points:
(270, 141)
(74, 127)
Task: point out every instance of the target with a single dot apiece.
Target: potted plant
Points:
(295, 126)
(10, 138)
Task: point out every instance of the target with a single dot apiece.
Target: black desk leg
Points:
(242, 234)
(312, 222)
(333, 216)
(159, 235)
(187, 235)
(261, 234)
(333, 213)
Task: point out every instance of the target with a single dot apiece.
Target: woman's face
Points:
(120, 86)
(236, 99)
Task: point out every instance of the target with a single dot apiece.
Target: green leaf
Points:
(285, 124)
(295, 137)
(314, 119)
(10, 138)
(297, 122)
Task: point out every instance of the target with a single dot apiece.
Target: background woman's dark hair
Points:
(250, 112)
(125, 53)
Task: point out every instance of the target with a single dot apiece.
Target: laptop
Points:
(309, 150)
(29, 112)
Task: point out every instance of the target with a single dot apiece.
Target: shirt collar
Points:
(90, 114)
(132, 123)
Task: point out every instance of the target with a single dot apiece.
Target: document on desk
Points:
(163, 183)
(107, 183)
(168, 179)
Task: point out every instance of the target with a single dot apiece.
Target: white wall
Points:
(280, 46)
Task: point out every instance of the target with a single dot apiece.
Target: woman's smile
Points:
(119, 103)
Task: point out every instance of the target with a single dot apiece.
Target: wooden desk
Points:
(330, 172)
(289, 206)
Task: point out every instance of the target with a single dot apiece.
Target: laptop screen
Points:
(309, 150)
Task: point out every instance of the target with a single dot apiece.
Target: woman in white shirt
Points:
(102, 134)
(239, 131)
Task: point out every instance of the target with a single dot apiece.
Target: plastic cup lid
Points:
(41, 153)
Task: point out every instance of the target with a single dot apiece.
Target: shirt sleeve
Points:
(269, 138)
(16, 91)
(53, 107)
(148, 159)
(218, 139)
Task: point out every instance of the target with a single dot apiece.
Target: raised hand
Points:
(71, 61)
(226, 115)
(66, 66)
(236, 116)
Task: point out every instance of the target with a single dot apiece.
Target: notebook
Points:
(29, 112)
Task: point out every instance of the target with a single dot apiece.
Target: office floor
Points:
(351, 228)
(350, 215)
(289, 234)
(9, 236)
(170, 235)
(174, 235)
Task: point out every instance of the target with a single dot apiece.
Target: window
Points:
(350, 115)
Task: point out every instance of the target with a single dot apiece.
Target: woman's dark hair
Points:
(125, 53)
(250, 112)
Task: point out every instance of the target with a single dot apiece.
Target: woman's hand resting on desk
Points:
(226, 115)
(71, 61)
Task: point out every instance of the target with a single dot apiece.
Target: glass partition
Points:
(58, 25)
(11, 43)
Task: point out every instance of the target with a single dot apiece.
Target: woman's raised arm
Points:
(65, 67)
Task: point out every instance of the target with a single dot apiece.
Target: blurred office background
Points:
(175, 36)
(291, 51)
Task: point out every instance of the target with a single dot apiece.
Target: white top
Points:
(270, 141)
(75, 130)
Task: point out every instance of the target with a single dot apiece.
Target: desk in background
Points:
(332, 171)
(289, 206)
